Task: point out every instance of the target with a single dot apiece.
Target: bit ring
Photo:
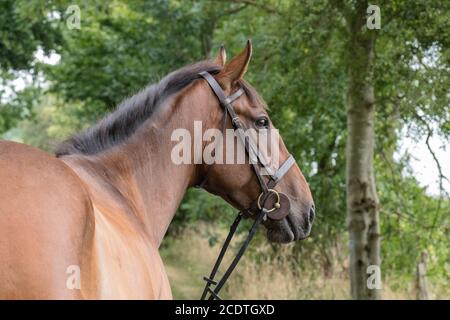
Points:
(277, 203)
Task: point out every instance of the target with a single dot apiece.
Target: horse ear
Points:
(221, 58)
(236, 68)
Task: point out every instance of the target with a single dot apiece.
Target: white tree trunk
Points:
(422, 282)
(362, 199)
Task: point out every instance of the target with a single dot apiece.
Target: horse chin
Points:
(277, 236)
(285, 230)
(280, 232)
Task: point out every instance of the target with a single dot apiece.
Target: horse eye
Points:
(262, 122)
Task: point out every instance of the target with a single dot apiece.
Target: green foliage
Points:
(413, 222)
(123, 47)
(17, 108)
(299, 67)
(25, 26)
(51, 122)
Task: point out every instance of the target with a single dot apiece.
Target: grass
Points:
(188, 257)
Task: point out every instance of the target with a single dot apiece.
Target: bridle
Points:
(280, 202)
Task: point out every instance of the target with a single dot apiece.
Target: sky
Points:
(422, 163)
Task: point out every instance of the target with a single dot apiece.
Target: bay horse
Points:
(96, 213)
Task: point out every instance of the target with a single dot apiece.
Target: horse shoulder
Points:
(46, 223)
(125, 261)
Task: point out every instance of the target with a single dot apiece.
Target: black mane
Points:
(131, 113)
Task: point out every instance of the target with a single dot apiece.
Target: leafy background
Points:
(299, 67)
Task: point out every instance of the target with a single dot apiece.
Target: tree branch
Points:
(442, 177)
(233, 11)
(259, 5)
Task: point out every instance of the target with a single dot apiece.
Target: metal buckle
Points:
(275, 206)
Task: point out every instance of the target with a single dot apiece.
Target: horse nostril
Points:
(312, 214)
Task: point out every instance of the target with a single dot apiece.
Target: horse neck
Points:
(140, 172)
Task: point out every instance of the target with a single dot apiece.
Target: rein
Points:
(279, 209)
